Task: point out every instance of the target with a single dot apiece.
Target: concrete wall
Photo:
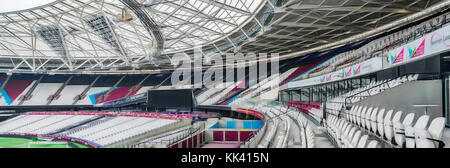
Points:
(405, 96)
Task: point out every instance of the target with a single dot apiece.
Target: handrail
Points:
(367, 90)
(189, 134)
(387, 82)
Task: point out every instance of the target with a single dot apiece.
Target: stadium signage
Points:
(369, 66)
(429, 45)
(337, 75)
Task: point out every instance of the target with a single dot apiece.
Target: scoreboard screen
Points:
(170, 98)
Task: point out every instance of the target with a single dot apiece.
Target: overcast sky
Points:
(13, 5)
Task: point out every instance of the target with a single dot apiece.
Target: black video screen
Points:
(170, 98)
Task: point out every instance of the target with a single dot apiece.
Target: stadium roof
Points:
(58, 36)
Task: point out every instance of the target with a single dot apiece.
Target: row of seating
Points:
(400, 133)
(346, 135)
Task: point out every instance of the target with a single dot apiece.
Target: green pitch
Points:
(15, 142)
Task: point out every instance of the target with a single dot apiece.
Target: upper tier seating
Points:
(41, 93)
(115, 94)
(14, 89)
(68, 94)
(89, 98)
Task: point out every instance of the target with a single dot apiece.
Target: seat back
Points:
(360, 114)
(380, 126)
(421, 123)
(398, 128)
(388, 127)
(373, 120)
(397, 116)
(408, 120)
(436, 128)
(340, 124)
(424, 138)
(347, 129)
(367, 118)
(350, 113)
(362, 141)
(351, 133)
(364, 115)
(355, 139)
(353, 112)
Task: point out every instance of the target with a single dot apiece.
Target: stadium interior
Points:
(338, 74)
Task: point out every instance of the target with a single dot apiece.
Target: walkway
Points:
(321, 138)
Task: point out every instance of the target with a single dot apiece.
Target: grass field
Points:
(16, 142)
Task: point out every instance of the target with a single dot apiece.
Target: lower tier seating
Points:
(104, 131)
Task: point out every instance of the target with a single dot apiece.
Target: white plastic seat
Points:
(363, 141)
(373, 120)
(348, 113)
(367, 118)
(415, 77)
(355, 115)
(421, 123)
(348, 138)
(363, 117)
(359, 114)
(431, 138)
(389, 124)
(355, 139)
(380, 126)
(399, 129)
(347, 130)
